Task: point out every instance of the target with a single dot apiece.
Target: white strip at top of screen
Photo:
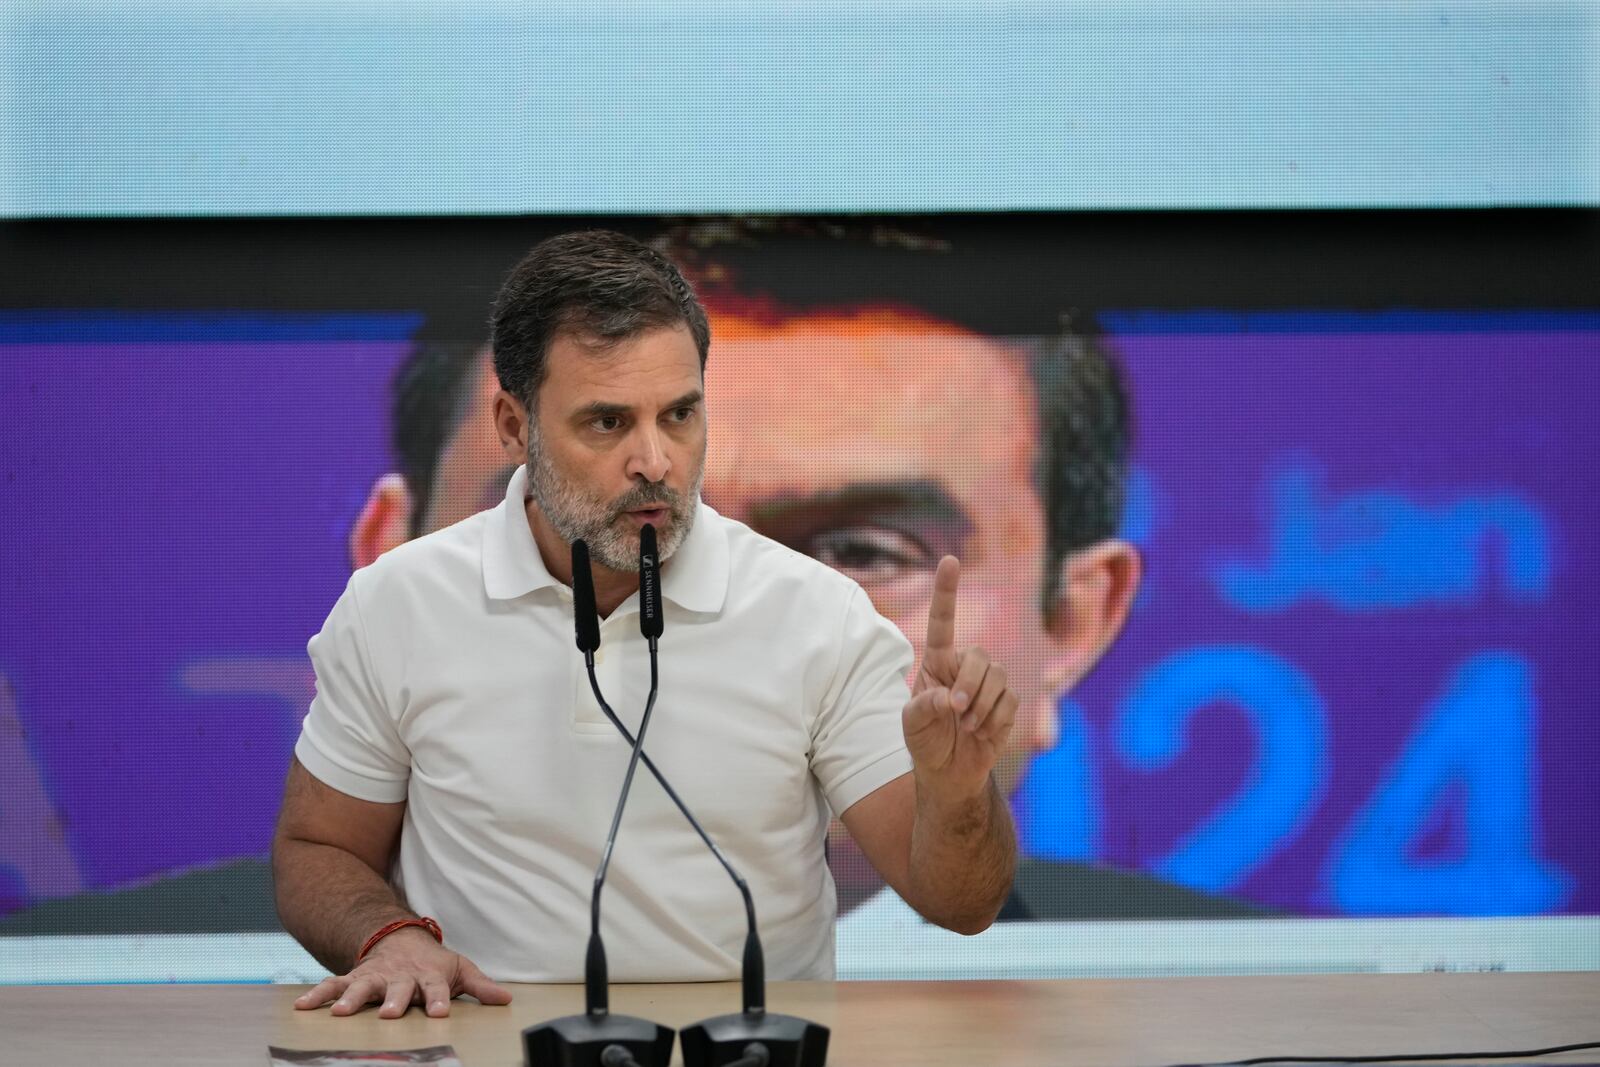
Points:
(195, 107)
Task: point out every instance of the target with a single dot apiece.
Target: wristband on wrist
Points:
(400, 924)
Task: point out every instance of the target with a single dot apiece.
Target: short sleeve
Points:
(857, 741)
(349, 740)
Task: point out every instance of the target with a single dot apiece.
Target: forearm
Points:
(330, 901)
(963, 857)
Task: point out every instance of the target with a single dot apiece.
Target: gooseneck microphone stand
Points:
(598, 1038)
(801, 1042)
(752, 1038)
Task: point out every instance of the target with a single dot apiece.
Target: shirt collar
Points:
(695, 578)
(512, 565)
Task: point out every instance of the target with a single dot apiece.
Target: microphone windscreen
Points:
(585, 618)
(649, 583)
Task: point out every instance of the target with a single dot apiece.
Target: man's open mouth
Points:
(654, 516)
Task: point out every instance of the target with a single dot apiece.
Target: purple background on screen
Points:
(168, 504)
(1433, 416)
(176, 507)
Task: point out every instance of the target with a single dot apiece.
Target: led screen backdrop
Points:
(1357, 678)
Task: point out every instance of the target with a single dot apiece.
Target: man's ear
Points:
(1091, 603)
(511, 425)
(1098, 584)
(385, 521)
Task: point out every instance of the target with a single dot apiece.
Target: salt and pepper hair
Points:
(597, 286)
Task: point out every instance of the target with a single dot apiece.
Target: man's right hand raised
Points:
(407, 967)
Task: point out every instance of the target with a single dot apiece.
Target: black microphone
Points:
(597, 1038)
(754, 972)
(586, 621)
(755, 1037)
(650, 621)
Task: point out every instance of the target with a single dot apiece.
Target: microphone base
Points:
(790, 1041)
(581, 1041)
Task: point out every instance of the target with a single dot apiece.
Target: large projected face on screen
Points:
(1314, 642)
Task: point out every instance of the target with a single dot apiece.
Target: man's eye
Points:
(682, 414)
(868, 553)
(607, 423)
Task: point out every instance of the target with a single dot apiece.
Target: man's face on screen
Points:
(876, 441)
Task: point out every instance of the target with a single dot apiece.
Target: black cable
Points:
(1400, 1057)
(627, 735)
(622, 801)
(754, 969)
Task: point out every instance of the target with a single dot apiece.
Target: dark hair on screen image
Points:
(801, 263)
(432, 391)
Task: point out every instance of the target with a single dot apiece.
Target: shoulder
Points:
(761, 566)
(773, 587)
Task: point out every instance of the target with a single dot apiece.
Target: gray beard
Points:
(613, 543)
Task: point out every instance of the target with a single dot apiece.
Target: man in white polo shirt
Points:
(455, 777)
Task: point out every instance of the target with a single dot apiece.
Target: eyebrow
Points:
(922, 504)
(600, 408)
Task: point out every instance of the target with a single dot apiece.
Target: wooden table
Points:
(1067, 1023)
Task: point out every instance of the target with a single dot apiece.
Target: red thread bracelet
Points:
(424, 922)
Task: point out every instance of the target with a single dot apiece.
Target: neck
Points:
(611, 587)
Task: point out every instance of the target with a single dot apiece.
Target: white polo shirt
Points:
(447, 677)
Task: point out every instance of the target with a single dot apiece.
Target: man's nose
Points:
(648, 459)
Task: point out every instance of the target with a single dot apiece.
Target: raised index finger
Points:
(942, 609)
